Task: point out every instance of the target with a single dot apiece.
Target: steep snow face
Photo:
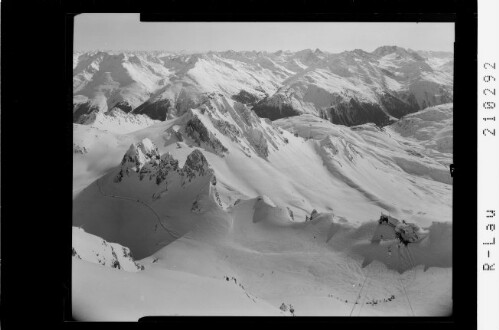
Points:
(430, 132)
(391, 172)
(432, 128)
(95, 152)
(94, 249)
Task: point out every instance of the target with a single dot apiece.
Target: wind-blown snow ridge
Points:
(432, 127)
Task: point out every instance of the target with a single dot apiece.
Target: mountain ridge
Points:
(349, 88)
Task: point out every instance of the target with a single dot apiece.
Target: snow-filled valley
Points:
(251, 183)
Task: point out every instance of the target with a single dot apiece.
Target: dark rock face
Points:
(166, 165)
(199, 133)
(195, 165)
(396, 107)
(124, 106)
(349, 113)
(82, 111)
(273, 112)
(139, 158)
(245, 97)
(157, 110)
(358, 113)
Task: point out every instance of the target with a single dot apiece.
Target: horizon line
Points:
(253, 50)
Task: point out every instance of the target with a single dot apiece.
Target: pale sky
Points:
(126, 32)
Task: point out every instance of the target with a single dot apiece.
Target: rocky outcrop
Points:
(167, 165)
(143, 160)
(245, 97)
(197, 131)
(196, 165)
(275, 108)
(357, 113)
(157, 110)
(124, 106)
(397, 107)
(83, 111)
(77, 149)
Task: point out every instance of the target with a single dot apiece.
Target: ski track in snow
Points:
(169, 231)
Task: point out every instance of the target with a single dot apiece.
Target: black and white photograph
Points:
(261, 168)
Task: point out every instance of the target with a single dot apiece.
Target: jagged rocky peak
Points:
(196, 165)
(143, 160)
(167, 164)
(140, 154)
(167, 158)
(235, 121)
(142, 157)
(148, 148)
(318, 51)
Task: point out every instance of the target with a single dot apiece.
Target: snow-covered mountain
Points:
(229, 213)
(350, 88)
(94, 249)
(357, 87)
(443, 61)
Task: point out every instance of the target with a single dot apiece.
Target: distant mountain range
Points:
(349, 88)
